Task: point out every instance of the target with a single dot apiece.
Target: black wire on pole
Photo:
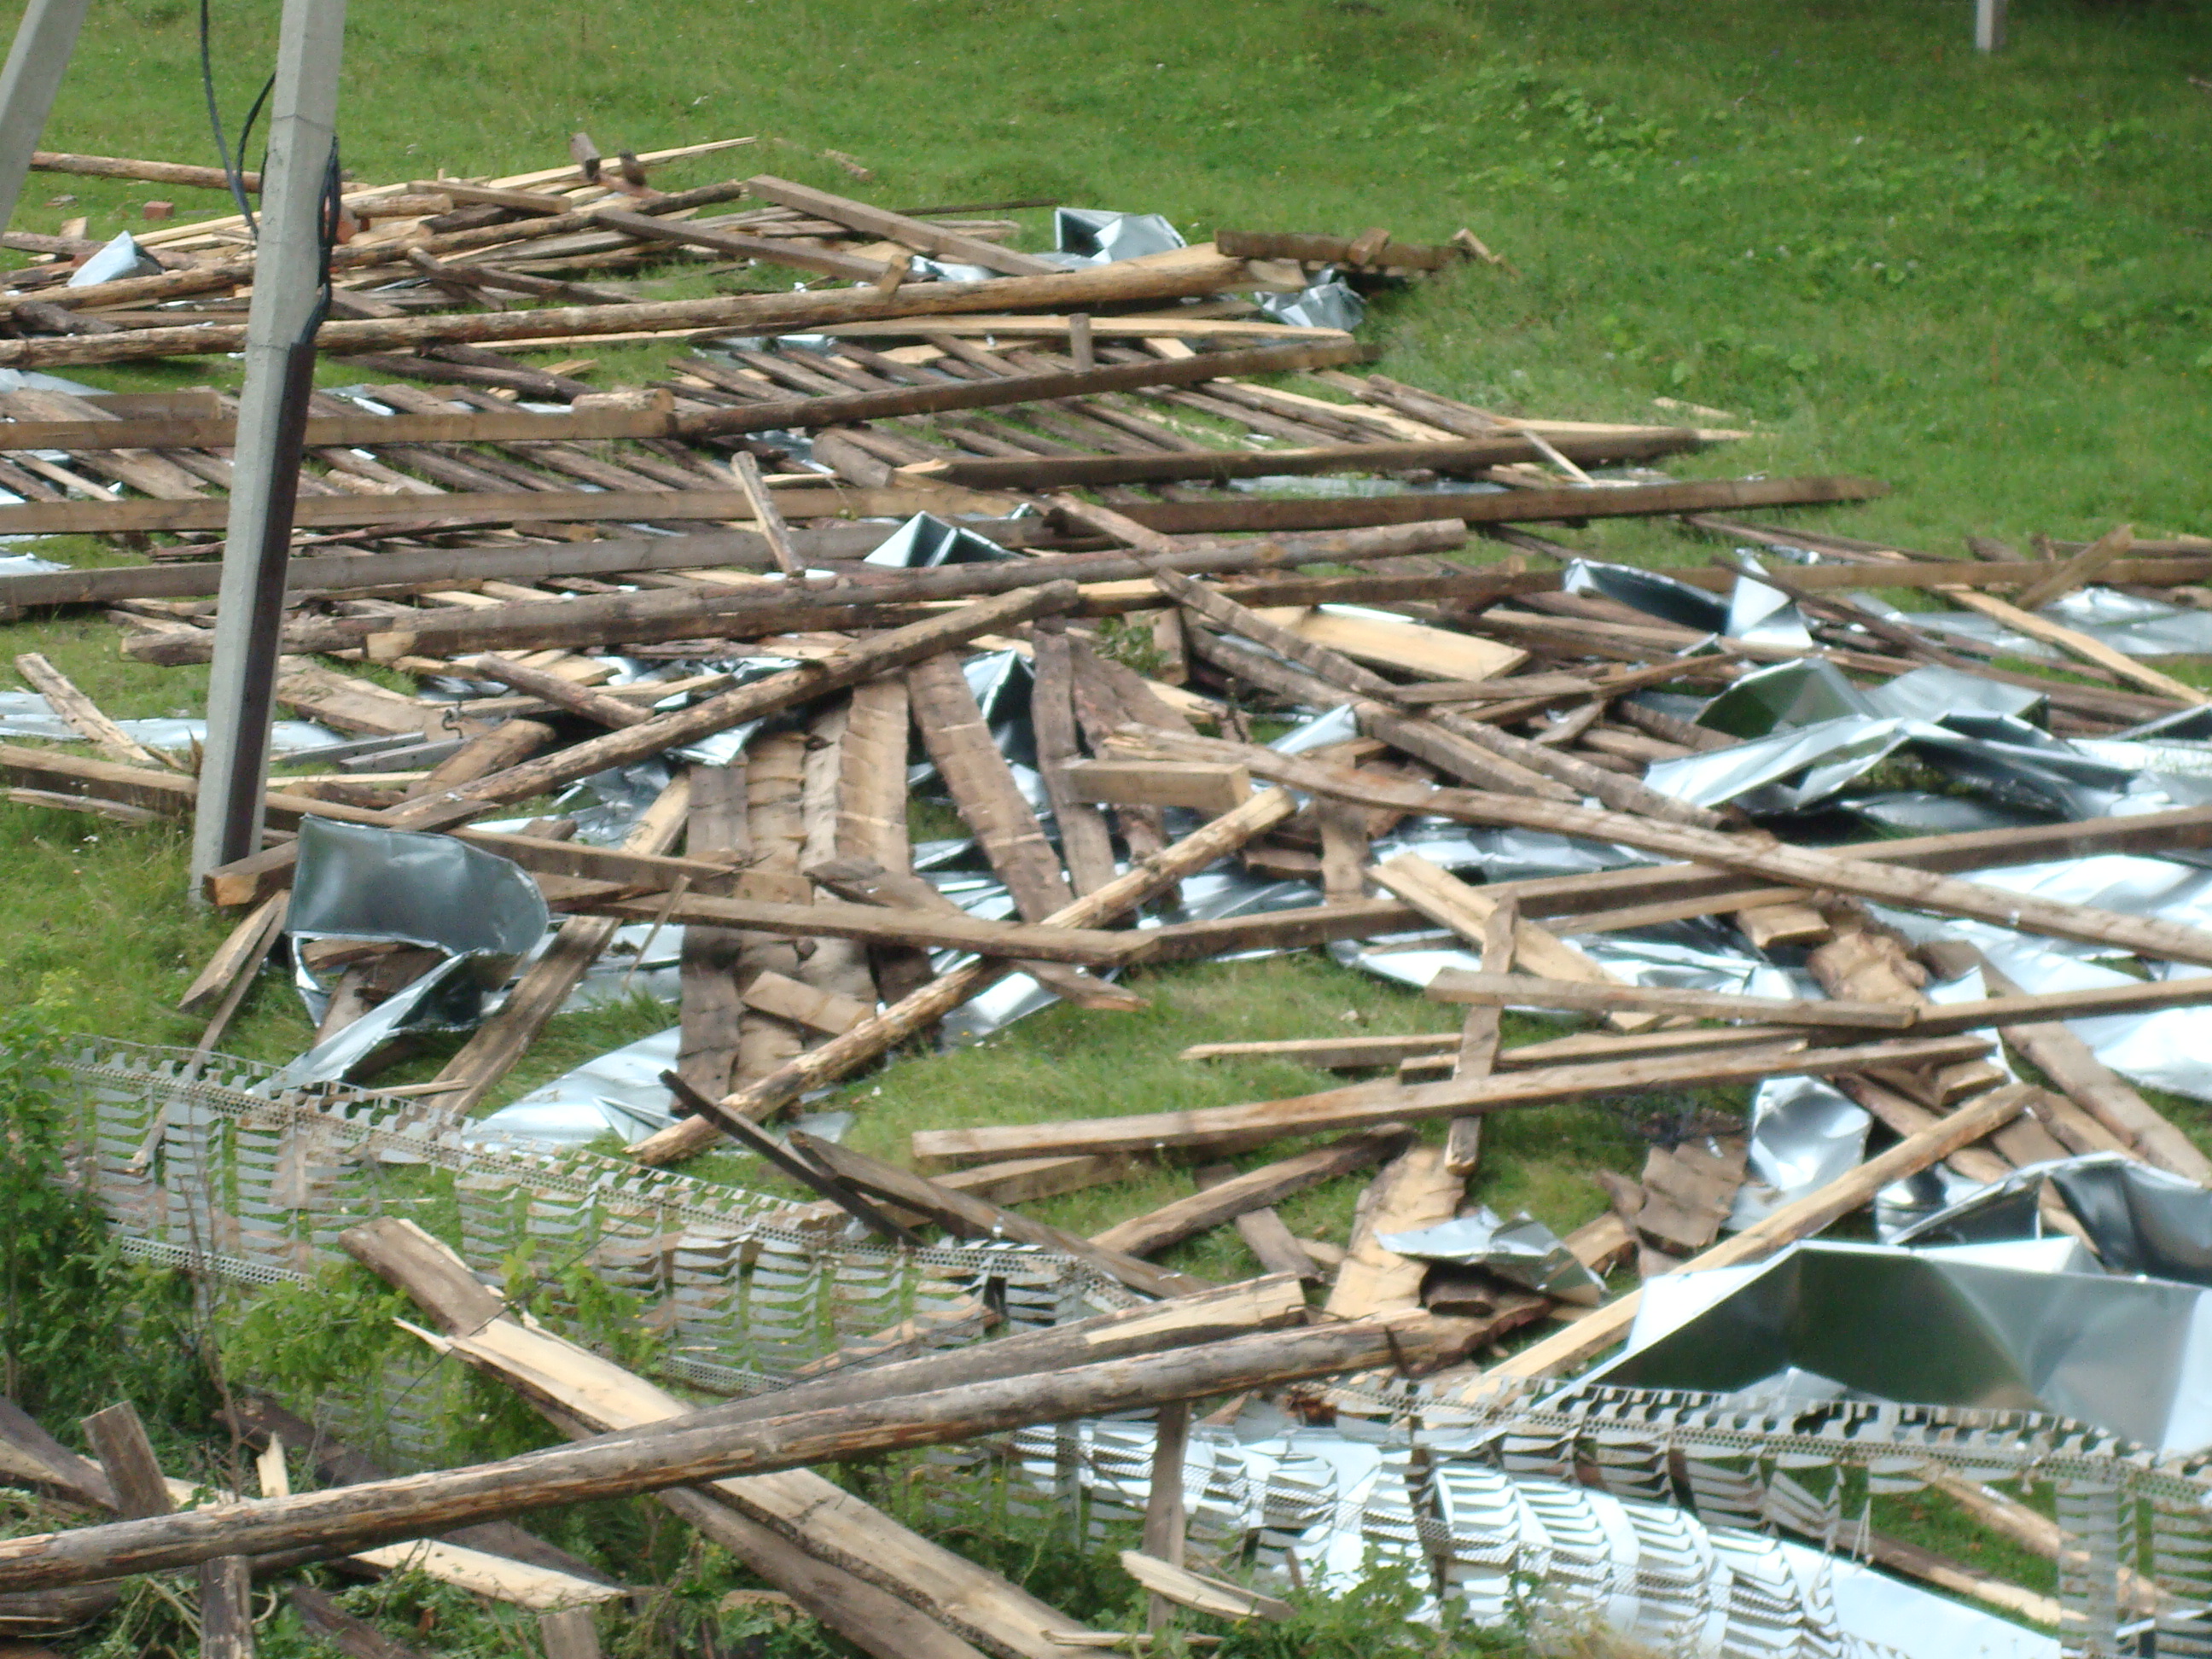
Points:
(233, 171)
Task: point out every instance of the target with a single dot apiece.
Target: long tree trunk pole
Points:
(880, 1033)
(1202, 273)
(351, 1518)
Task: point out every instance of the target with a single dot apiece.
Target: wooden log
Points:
(1527, 991)
(1164, 1517)
(971, 1216)
(1591, 1335)
(1363, 1105)
(888, 1613)
(1799, 867)
(1195, 271)
(409, 569)
(562, 693)
(154, 173)
(1145, 879)
(352, 1517)
(118, 1439)
(916, 233)
(1255, 1189)
(1093, 471)
(931, 930)
(1337, 251)
(1507, 507)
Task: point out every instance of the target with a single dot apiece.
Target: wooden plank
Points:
(804, 1004)
(1451, 903)
(82, 714)
(1527, 991)
(866, 1042)
(710, 1009)
(118, 1439)
(971, 1216)
(1202, 785)
(1084, 840)
(2075, 1069)
(2083, 567)
(1410, 648)
(2080, 644)
(1365, 1105)
(928, 929)
(761, 249)
(983, 789)
(1184, 1218)
(1215, 1597)
(1413, 1191)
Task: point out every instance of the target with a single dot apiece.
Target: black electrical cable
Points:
(233, 171)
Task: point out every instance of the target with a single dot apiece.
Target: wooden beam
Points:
(1498, 990)
(1365, 1105)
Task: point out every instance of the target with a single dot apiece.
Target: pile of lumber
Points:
(1083, 430)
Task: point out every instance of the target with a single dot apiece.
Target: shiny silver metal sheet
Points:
(1522, 1250)
(2133, 1356)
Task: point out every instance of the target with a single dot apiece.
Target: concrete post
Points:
(44, 41)
(280, 360)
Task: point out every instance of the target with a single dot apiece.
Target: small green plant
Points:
(80, 1325)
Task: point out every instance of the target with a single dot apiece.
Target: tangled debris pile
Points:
(1527, 781)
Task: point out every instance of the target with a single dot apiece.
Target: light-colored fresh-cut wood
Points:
(1198, 784)
(1363, 1105)
(1413, 1191)
(1527, 991)
(1410, 648)
(804, 1005)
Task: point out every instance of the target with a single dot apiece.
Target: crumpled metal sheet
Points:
(121, 257)
(619, 1092)
(1098, 236)
(2133, 1356)
(1328, 302)
(1651, 591)
(1804, 1133)
(1764, 615)
(925, 541)
(358, 882)
(2140, 1220)
(1523, 1251)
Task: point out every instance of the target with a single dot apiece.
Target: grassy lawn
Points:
(1983, 281)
